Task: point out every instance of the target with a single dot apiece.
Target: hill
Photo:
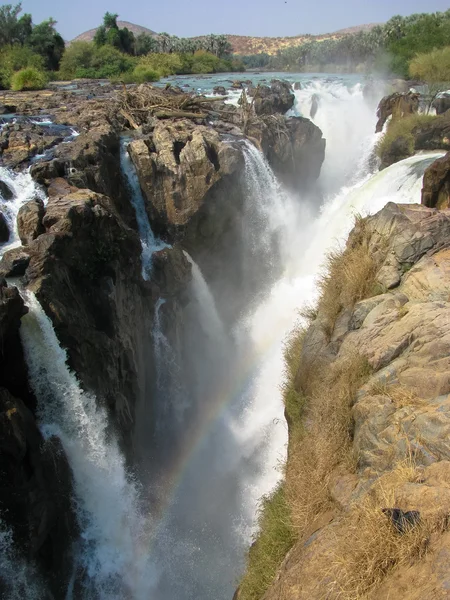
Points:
(88, 36)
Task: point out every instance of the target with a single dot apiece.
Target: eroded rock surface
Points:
(436, 184)
(396, 106)
(278, 98)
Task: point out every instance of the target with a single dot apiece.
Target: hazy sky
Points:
(242, 17)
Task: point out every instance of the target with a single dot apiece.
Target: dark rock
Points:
(297, 85)
(294, 148)
(278, 98)
(29, 221)
(398, 106)
(237, 85)
(5, 191)
(403, 521)
(4, 229)
(14, 262)
(219, 89)
(436, 184)
(36, 492)
(314, 106)
(441, 104)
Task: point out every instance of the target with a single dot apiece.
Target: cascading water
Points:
(24, 189)
(347, 122)
(112, 557)
(149, 242)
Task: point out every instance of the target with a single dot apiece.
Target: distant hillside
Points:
(245, 45)
(88, 36)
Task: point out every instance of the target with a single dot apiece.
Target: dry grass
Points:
(400, 395)
(349, 275)
(368, 546)
(325, 440)
(402, 129)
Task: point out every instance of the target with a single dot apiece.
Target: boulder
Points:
(29, 221)
(220, 90)
(14, 263)
(178, 166)
(441, 104)
(294, 147)
(396, 105)
(278, 98)
(5, 191)
(21, 141)
(436, 184)
(297, 85)
(4, 229)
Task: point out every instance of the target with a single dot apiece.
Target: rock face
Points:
(401, 420)
(35, 495)
(436, 184)
(178, 166)
(4, 229)
(278, 98)
(396, 105)
(29, 221)
(294, 148)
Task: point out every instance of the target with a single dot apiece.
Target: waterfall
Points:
(149, 242)
(17, 578)
(112, 555)
(24, 189)
(347, 121)
(210, 320)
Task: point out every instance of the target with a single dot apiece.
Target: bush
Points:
(434, 68)
(143, 74)
(14, 58)
(28, 79)
(402, 129)
(84, 59)
(164, 64)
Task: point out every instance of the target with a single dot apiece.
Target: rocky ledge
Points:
(368, 473)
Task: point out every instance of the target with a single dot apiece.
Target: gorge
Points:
(153, 270)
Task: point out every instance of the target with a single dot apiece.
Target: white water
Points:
(114, 533)
(347, 122)
(25, 189)
(149, 242)
(19, 577)
(212, 322)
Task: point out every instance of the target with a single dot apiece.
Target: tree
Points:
(434, 68)
(109, 34)
(110, 21)
(47, 42)
(8, 23)
(144, 44)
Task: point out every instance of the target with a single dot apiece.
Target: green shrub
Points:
(402, 129)
(143, 74)
(15, 58)
(164, 64)
(276, 537)
(28, 79)
(85, 60)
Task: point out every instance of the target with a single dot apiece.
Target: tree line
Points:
(31, 54)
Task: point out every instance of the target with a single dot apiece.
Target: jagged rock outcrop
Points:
(178, 166)
(29, 221)
(396, 105)
(436, 184)
(5, 191)
(22, 140)
(4, 229)
(278, 98)
(294, 147)
(14, 262)
(441, 104)
(400, 420)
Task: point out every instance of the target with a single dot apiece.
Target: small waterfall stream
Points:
(150, 243)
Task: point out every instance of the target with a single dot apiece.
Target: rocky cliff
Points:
(367, 490)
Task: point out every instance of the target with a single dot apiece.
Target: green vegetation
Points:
(275, 539)
(387, 48)
(401, 131)
(434, 68)
(28, 79)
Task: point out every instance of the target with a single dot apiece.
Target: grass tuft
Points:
(402, 129)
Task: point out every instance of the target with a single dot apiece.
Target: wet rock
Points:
(398, 106)
(14, 263)
(278, 98)
(23, 141)
(36, 492)
(4, 229)
(178, 166)
(297, 85)
(436, 184)
(441, 104)
(220, 90)
(5, 191)
(294, 147)
(237, 85)
(29, 221)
